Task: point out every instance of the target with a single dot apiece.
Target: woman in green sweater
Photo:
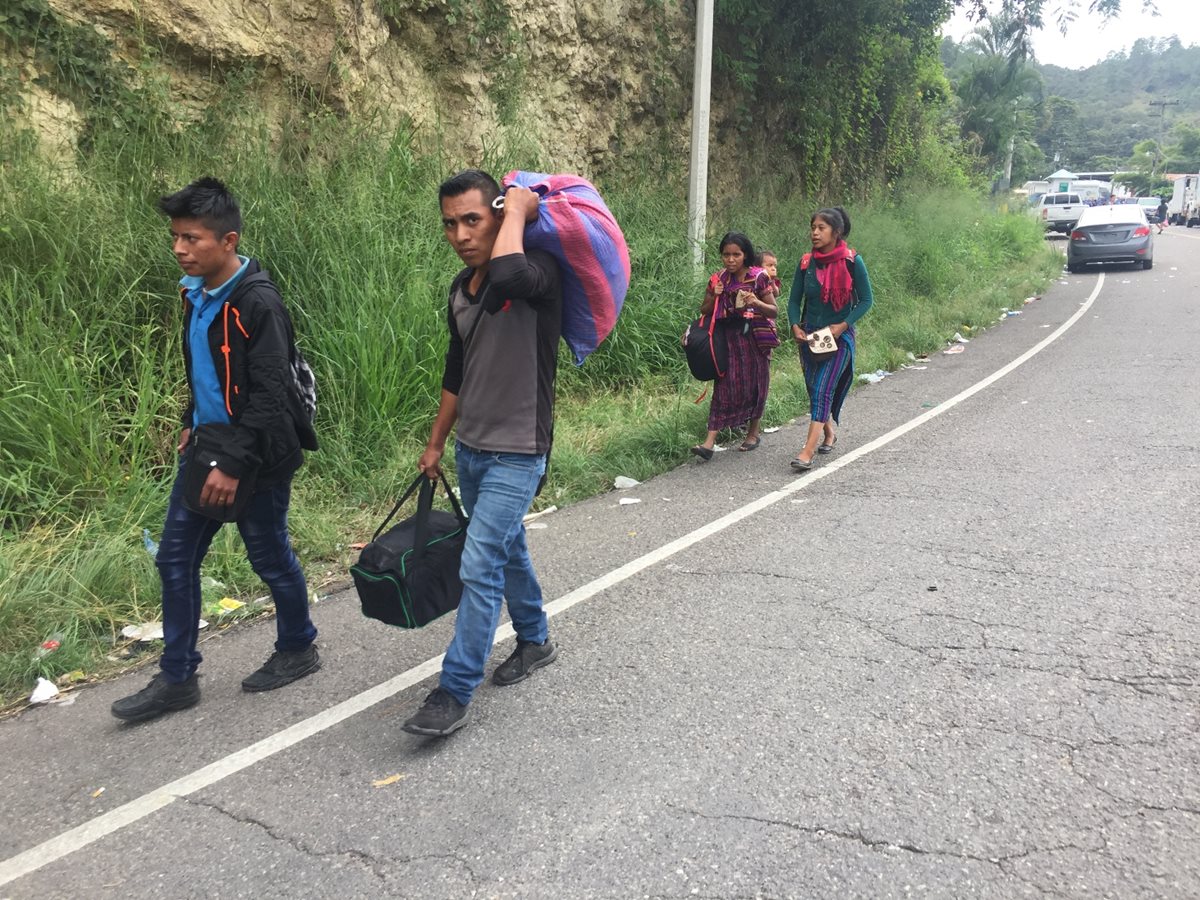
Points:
(831, 290)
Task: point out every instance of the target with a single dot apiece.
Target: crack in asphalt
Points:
(881, 844)
(375, 865)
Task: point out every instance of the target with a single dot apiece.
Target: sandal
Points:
(751, 445)
(705, 453)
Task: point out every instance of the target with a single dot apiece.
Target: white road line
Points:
(93, 830)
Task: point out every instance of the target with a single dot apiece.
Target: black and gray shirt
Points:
(504, 375)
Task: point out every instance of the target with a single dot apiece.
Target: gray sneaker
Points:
(438, 716)
(284, 667)
(527, 657)
(156, 698)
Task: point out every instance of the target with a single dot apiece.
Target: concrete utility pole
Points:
(1162, 128)
(701, 104)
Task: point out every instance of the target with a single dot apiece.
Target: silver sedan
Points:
(1111, 234)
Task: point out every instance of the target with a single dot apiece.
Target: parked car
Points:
(1111, 234)
(1059, 211)
(1150, 206)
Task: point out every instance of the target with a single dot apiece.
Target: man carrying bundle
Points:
(505, 321)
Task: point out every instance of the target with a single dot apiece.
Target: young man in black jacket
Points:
(245, 410)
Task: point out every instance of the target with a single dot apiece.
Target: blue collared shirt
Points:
(206, 386)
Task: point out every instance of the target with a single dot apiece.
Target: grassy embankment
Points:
(91, 379)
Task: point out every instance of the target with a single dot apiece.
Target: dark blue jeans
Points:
(497, 489)
(185, 541)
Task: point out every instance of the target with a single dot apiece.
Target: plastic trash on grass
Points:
(43, 692)
(622, 482)
(149, 543)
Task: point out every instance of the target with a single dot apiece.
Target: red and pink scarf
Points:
(837, 284)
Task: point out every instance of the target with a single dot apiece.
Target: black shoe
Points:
(438, 716)
(284, 667)
(523, 661)
(156, 698)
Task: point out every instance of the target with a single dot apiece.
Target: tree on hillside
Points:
(1000, 91)
(1003, 36)
(843, 91)
(1145, 158)
(1183, 155)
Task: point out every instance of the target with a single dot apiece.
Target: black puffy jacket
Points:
(252, 343)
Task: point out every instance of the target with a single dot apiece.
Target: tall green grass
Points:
(345, 216)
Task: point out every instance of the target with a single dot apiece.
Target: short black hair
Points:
(836, 218)
(739, 239)
(208, 200)
(468, 180)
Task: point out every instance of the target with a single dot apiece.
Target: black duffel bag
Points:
(408, 576)
(706, 347)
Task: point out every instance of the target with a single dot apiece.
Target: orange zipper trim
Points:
(225, 353)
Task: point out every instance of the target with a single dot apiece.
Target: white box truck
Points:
(1183, 208)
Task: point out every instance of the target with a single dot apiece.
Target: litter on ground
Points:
(541, 512)
(770, 430)
(621, 482)
(535, 526)
(628, 501)
(43, 692)
(874, 377)
(391, 779)
(147, 631)
(959, 339)
(957, 348)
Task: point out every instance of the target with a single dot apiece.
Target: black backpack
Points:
(304, 381)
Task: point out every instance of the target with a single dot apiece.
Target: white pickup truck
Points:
(1059, 211)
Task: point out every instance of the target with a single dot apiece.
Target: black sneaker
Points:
(156, 698)
(527, 657)
(284, 667)
(438, 716)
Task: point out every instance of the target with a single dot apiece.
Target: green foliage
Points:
(1112, 98)
(1145, 184)
(843, 88)
(79, 63)
(1088, 118)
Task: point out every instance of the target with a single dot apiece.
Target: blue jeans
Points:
(497, 489)
(185, 541)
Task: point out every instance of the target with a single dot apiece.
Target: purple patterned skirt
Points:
(742, 394)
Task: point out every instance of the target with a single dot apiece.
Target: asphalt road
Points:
(958, 659)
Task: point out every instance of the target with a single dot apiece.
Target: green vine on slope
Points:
(77, 61)
(842, 86)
